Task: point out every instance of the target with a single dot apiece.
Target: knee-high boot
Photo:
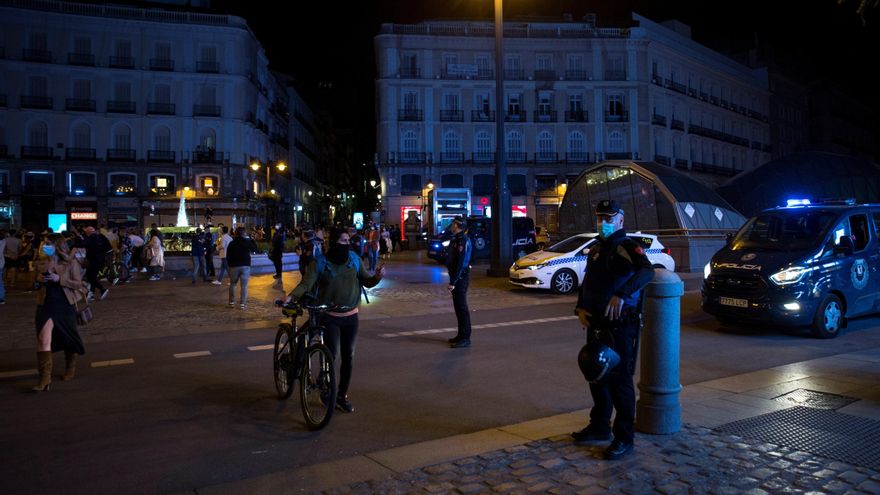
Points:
(44, 365)
(70, 368)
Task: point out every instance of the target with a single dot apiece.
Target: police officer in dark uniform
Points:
(458, 264)
(608, 309)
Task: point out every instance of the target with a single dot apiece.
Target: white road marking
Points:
(268, 347)
(485, 325)
(13, 374)
(114, 362)
(183, 355)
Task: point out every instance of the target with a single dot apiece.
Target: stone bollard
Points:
(658, 410)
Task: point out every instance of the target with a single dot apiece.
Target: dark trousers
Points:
(136, 257)
(459, 302)
(616, 389)
(340, 334)
(209, 264)
(277, 263)
(92, 277)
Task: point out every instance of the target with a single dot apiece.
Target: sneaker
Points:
(590, 434)
(343, 404)
(143, 270)
(104, 294)
(231, 304)
(243, 306)
(458, 344)
(217, 282)
(90, 297)
(617, 450)
(154, 278)
(115, 280)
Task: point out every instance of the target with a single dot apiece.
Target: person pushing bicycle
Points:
(336, 278)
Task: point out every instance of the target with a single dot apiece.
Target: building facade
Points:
(574, 94)
(114, 112)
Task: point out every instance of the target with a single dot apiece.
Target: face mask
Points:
(338, 253)
(605, 230)
(49, 250)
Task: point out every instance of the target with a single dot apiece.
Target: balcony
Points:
(37, 152)
(206, 110)
(410, 72)
(40, 102)
(79, 105)
(618, 155)
(121, 155)
(80, 154)
(615, 75)
(206, 155)
(453, 74)
(451, 116)
(451, 157)
(481, 116)
(516, 157)
(160, 109)
(545, 75)
(208, 67)
(677, 124)
(545, 115)
(161, 64)
(658, 120)
(410, 157)
(662, 160)
(578, 158)
(713, 169)
(84, 59)
(514, 75)
(160, 156)
(576, 116)
(483, 157)
(546, 157)
(409, 115)
(617, 117)
(677, 87)
(575, 75)
(681, 163)
(43, 56)
(121, 62)
(117, 106)
(657, 80)
(485, 74)
(515, 116)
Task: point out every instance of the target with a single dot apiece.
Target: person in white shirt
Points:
(222, 243)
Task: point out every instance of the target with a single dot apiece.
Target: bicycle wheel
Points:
(282, 361)
(317, 387)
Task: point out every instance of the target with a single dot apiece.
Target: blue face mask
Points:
(49, 250)
(605, 229)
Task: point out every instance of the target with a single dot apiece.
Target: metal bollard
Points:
(658, 410)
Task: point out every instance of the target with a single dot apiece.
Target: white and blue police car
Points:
(561, 266)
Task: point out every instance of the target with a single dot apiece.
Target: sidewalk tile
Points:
(815, 383)
(753, 380)
(865, 408)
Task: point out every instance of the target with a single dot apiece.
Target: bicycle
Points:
(300, 354)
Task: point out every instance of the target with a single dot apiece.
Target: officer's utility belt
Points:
(627, 317)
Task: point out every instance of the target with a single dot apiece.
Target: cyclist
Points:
(336, 279)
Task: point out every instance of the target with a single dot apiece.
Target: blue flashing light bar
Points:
(797, 202)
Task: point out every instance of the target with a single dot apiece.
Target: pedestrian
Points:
(97, 246)
(395, 238)
(209, 253)
(459, 268)
(222, 243)
(309, 247)
(137, 251)
(238, 256)
(10, 253)
(373, 246)
(60, 288)
(197, 250)
(386, 247)
(155, 252)
(125, 253)
(338, 277)
(609, 308)
(277, 253)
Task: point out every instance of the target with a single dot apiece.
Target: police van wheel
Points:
(563, 282)
(829, 318)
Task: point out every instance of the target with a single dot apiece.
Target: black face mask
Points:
(338, 253)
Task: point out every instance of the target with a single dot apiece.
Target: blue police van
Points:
(803, 264)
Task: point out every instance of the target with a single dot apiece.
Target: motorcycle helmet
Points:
(597, 359)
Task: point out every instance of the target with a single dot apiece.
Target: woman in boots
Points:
(60, 282)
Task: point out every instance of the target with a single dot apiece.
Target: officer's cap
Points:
(459, 220)
(608, 207)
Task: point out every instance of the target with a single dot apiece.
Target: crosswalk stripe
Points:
(13, 374)
(261, 347)
(113, 362)
(183, 355)
(408, 333)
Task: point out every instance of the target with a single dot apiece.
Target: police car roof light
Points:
(797, 202)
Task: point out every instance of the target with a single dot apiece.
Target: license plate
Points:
(729, 301)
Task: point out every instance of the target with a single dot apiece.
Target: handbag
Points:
(84, 315)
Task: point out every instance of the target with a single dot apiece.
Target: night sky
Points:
(327, 41)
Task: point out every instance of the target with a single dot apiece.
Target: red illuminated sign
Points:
(83, 215)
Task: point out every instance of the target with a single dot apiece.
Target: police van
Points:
(803, 264)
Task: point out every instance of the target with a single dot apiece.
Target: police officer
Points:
(608, 309)
(458, 264)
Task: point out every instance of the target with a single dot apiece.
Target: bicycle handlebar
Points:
(294, 305)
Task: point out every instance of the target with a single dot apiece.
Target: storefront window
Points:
(38, 182)
(123, 184)
(162, 185)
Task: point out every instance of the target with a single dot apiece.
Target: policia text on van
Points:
(798, 265)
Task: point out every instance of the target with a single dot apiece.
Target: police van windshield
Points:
(567, 245)
(784, 230)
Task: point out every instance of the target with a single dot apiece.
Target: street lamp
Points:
(501, 228)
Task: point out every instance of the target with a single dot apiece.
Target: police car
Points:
(804, 263)
(561, 266)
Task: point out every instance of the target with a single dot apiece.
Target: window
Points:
(122, 184)
(208, 54)
(577, 143)
(545, 143)
(122, 137)
(81, 183)
(410, 142)
(512, 63)
(162, 93)
(858, 225)
(513, 103)
(576, 103)
(484, 184)
(162, 139)
(162, 184)
(451, 142)
(38, 135)
(208, 184)
(411, 185)
(410, 65)
(122, 91)
(410, 100)
(122, 49)
(38, 41)
(451, 180)
(545, 102)
(545, 184)
(208, 139)
(163, 51)
(450, 101)
(82, 136)
(483, 103)
(615, 142)
(544, 62)
(484, 65)
(575, 63)
(517, 184)
(38, 86)
(82, 89)
(38, 182)
(615, 105)
(514, 143)
(449, 59)
(82, 45)
(208, 96)
(483, 143)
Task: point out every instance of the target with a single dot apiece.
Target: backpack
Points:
(325, 268)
